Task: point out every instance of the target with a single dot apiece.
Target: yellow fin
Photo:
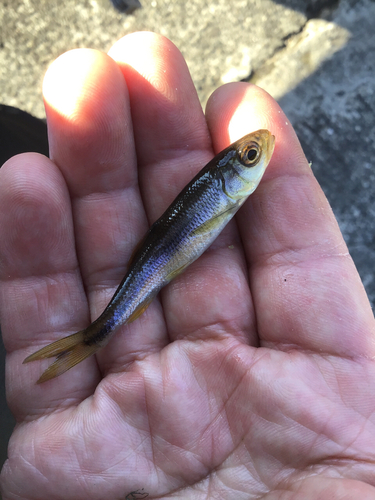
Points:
(140, 310)
(57, 347)
(171, 276)
(213, 222)
(69, 351)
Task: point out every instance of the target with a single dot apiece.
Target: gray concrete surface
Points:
(333, 112)
(315, 56)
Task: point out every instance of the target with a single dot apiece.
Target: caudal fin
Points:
(69, 351)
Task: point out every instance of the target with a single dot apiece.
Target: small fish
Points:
(185, 230)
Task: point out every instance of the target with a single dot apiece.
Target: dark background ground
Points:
(317, 57)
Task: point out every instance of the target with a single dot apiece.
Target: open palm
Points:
(252, 374)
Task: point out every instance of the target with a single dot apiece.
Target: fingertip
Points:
(236, 109)
(139, 40)
(85, 97)
(33, 197)
(27, 175)
(59, 89)
(166, 112)
(89, 122)
(154, 68)
(148, 53)
(75, 77)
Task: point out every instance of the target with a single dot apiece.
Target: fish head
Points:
(245, 161)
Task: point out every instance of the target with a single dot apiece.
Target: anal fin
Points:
(140, 309)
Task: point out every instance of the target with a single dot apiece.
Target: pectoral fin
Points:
(213, 223)
(178, 271)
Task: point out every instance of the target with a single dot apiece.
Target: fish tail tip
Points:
(67, 360)
(69, 351)
(56, 348)
(44, 378)
(32, 357)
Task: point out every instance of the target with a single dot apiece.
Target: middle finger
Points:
(173, 143)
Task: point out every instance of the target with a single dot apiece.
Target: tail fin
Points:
(69, 351)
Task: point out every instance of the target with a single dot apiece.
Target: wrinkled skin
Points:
(251, 376)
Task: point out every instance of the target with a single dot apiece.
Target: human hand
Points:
(251, 376)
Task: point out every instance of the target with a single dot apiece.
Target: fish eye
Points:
(249, 155)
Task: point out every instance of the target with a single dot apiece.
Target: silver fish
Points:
(184, 231)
